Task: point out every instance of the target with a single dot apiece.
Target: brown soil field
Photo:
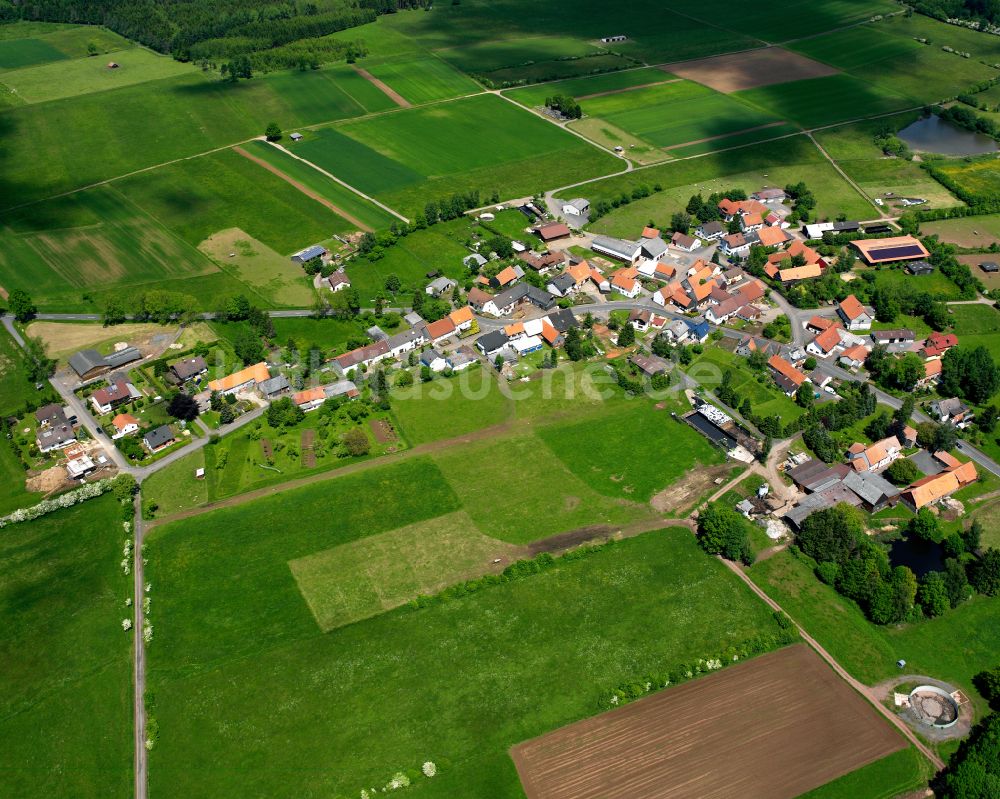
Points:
(990, 279)
(771, 728)
(382, 430)
(689, 489)
(737, 71)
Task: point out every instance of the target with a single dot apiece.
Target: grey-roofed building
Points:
(474, 261)
(273, 386)
(539, 297)
(460, 359)
(561, 285)
(677, 330)
(651, 365)
(652, 248)
(874, 490)
(340, 388)
(413, 319)
(309, 253)
(620, 249)
(189, 368)
(51, 414)
(562, 320)
(491, 343)
(407, 340)
(821, 500)
(376, 333)
(711, 230)
(158, 438)
(122, 357)
(440, 286)
(54, 436)
(87, 363)
(814, 475)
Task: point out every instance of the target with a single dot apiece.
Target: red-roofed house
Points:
(937, 344)
(785, 375)
(854, 314)
(824, 344)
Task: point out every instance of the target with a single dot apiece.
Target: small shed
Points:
(295, 136)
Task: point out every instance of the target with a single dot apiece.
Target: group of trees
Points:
(707, 210)
(970, 373)
(857, 402)
(803, 202)
(565, 105)
(890, 300)
(891, 372)
(723, 531)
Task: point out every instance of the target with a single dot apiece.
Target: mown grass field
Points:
(901, 772)
(935, 284)
(201, 196)
(28, 44)
(978, 325)
(870, 652)
(79, 76)
(449, 407)
(54, 147)
(483, 143)
(348, 201)
(824, 101)
(608, 455)
(973, 232)
(15, 390)
(544, 666)
(13, 494)
(65, 666)
(421, 79)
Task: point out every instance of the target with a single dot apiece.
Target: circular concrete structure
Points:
(934, 706)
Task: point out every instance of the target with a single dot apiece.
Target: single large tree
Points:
(21, 305)
(183, 406)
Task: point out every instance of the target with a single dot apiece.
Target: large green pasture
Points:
(977, 325)
(976, 232)
(483, 142)
(79, 76)
(870, 652)
(200, 196)
(28, 44)
(78, 244)
(823, 101)
(15, 389)
(421, 79)
(877, 53)
(611, 455)
(532, 96)
(65, 665)
(54, 147)
(497, 667)
(348, 201)
(676, 113)
(13, 494)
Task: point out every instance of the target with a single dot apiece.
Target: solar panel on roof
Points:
(894, 253)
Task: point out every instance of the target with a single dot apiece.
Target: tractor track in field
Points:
(303, 188)
(384, 87)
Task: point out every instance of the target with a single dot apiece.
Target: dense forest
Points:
(986, 11)
(218, 29)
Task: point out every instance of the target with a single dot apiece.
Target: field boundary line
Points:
(857, 685)
(850, 181)
(141, 757)
(628, 89)
(334, 178)
(727, 135)
(302, 188)
(383, 87)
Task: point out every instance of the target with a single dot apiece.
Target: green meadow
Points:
(528, 655)
(978, 325)
(901, 772)
(28, 44)
(626, 82)
(483, 142)
(421, 79)
(65, 662)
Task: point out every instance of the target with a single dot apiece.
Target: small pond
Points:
(935, 135)
(920, 556)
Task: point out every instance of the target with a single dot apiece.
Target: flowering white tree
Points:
(429, 769)
(67, 500)
(147, 632)
(126, 624)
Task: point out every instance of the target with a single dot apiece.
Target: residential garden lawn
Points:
(15, 390)
(915, 323)
(421, 78)
(450, 406)
(202, 196)
(970, 231)
(823, 101)
(92, 241)
(900, 773)
(870, 652)
(627, 80)
(348, 201)
(411, 156)
(555, 498)
(79, 76)
(878, 54)
(765, 397)
(65, 665)
(512, 224)
(75, 142)
(676, 113)
(174, 487)
(328, 333)
(438, 248)
(545, 665)
(607, 454)
(977, 325)
(989, 515)
(936, 284)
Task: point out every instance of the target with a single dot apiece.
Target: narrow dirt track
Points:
(628, 89)
(383, 87)
(304, 189)
(725, 135)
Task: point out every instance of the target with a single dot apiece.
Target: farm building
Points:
(241, 380)
(295, 137)
(990, 267)
(188, 369)
(627, 251)
(87, 363)
(919, 268)
(338, 281)
(883, 251)
(552, 231)
(274, 387)
(576, 207)
(309, 254)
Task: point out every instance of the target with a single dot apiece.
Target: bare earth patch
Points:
(738, 71)
(383, 87)
(65, 338)
(776, 726)
(689, 489)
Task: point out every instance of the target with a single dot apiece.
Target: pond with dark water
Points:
(935, 135)
(919, 555)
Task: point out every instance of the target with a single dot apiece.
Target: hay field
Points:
(797, 724)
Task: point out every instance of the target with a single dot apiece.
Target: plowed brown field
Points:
(774, 727)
